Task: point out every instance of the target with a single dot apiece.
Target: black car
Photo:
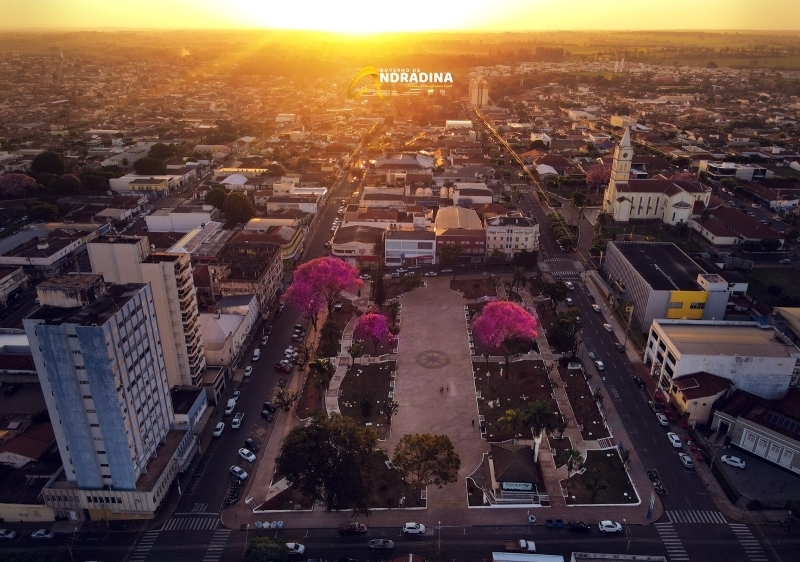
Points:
(579, 527)
(250, 443)
(639, 382)
(619, 346)
(266, 415)
(270, 407)
(12, 389)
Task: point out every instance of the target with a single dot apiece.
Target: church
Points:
(673, 201)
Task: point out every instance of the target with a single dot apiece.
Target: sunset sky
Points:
(372, 16)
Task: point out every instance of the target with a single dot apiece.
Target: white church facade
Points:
(672, 201)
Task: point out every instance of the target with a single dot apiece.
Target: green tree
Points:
(560, 426)
(574, 461)
(557, 292)
(389, 408)
(518, 278)
(394, 311)
(149, 167)
(424, 459)
(328, 462)
(526, 259)
(216, 197)
(770, 244)
(238, 208)
(511, 421)
(449, 255)
(284, 398)
(42, 211)
(379, 287)
(539, 416)
(48, 162)
(578, 199)
(354, 350)
(596, 483)
(161, 151)
(264, 549)
(323, 371)
(275, 170)
(495, 257)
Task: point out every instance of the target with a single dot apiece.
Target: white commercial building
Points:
(761, 361)
(511, 235)
(181, 219)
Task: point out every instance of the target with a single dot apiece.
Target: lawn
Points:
(619, 489)
(774, 286)
(583, 404)
(396, 287)
(311, 400)
(547, 316)
(560, 448)
(388, 488)
(473, 288)
(330, 348)
(527, 382)
(361, 389)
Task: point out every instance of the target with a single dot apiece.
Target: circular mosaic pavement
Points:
(432, 359)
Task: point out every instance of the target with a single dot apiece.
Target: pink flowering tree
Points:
(326, 278)
(14, 185)
(506, 328)
(375, 327)
(306, 299)
(598, 175)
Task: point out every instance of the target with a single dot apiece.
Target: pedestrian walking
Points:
(441, 389)
(473, 423)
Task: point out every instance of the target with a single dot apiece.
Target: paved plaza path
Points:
(434, 354)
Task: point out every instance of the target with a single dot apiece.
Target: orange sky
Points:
(372, 16)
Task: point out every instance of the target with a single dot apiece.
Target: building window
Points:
(697, 305)
(676, 305)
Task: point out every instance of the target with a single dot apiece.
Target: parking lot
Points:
(761, 480)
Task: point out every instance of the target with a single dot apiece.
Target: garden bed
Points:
(560, 449)
(474, 494)
(527, 382)
(583, 404)
(396, 287)
(475, 308)
(619, 489)
(361, 389)
(473, 288)
(311, 401)
(287, 500)
(331, 347)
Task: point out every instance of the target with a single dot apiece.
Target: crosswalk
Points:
(197, 522)
(217, 545)
(750, 544)
(559, 267)
(199, 507)
(671, 542)
(695, 516)
(143, 546)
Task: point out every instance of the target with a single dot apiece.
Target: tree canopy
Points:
(216, 197)
(238, 208)
(425, 459)
(149, 167)
(375, 327)
(505, 327)
(48, 162)
(327, 461)
(325, 277)
(163, 151)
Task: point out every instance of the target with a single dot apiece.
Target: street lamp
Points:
(439, 542)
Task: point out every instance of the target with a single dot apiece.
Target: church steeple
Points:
(623, 155)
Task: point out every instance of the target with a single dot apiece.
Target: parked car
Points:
(733, 461)
(596, 307)
(11, 389)
(284, 366)
(298, 338)
(218, 429)
(579, 527)
(662, 419)
(247, 455)
(619, 346)
(238, 472)
(686, 460)
(591, 355)
(413, 529)
(251, 444)
(609, 527)
(675, 440)
(366, 276)
(43, 534)
(267, 415)
(381, 544)
(569, 301)
(785, 261)
(569, 285)
(653, 406)
(447, 270)
(599, 365)
(639, 382)
(264, 340)
(8, 534)
(248, 371)
(270, 407)
(429, 274)
(608, 328)
(295, 548)
(352, 528)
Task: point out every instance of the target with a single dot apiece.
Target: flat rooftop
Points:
(98, 312)
(662, 265)
(745, 339)
(184, 398)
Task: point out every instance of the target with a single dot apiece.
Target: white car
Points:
(295, 548)
(8, 534)
(247, 372)
(430, 274)
(247, 455)
(218, 429)
(608, 328)
(599, 365)
(675, 440)
(596, 307)
(413, 529)
(43, 534)
(609, 527)
(238, 472)
(662, 419)
(733, 461)
(686, 460)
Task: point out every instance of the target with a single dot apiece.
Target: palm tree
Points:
(394, 311)
(354, 350)
(512, 420)
(574, 461)
(494, 282)
(539, 417)
(518, 278)
(324, 370)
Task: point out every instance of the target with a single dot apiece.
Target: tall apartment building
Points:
(478, 92)
(101, 367)
(128, 259)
